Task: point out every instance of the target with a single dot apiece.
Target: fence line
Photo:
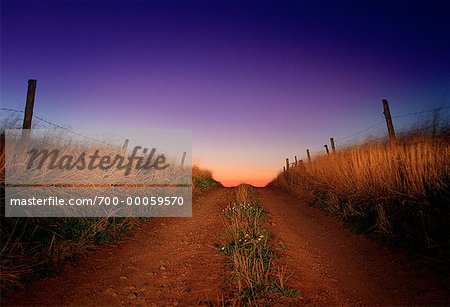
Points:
(359, 132)
(397, 116)
(123, 148)
(421, 112)
(58, 126)
(388, 121)
(28, 116)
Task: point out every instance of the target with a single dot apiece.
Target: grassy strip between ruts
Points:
(247, 244)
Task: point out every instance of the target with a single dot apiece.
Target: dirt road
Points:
(173, 261)
(168, 262)
(333, 266)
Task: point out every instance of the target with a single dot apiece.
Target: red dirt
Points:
(333, 266)
(174, 261)
(168, 261)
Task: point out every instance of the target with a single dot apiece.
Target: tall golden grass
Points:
(29, 247)
(398, 192)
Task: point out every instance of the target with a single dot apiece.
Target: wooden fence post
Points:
(326, 148)
(295, 157)
(333, 146)
(287, 164)
(309, 156)
(29, 104)
(388, 118)
(125, 145)
(182, 159)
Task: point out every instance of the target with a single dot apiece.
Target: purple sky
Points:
(255, 81)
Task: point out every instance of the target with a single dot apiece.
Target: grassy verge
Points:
(202, 180)
(397, 193)
(247, 244)
(30, 248)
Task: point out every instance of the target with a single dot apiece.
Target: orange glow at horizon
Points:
(230, 177)
(254, 182)
(235, 158)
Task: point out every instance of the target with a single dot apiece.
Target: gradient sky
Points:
(255, 81)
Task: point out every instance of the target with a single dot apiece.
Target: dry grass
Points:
(30, 247)
(396, 192)
(202, 179)
(201, 173)
(251, 257)
(75, 146)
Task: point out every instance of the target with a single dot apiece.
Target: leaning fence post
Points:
(326, 148)
(309, 156)
(388, 118)
(29, 104)
(295, 157)
(28, 113)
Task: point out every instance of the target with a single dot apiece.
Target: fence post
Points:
(182, 159)
(309, 156)
(295, 157)
(28, 113)
(435, 121)
(287, 164)
(125, 145)
(333, 146)
(388, 118)
(326, 148)
(29, 104)
(284, 169)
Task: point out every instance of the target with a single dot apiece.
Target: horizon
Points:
(255, 82)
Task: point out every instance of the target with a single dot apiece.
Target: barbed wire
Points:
(397, 116)
(359, 132)
(12, 110)
(337, 139)
(421, 112)
(58, 126)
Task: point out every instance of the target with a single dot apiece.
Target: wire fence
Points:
(434, 125)
(359, 132)
(59, 126)
(397, 116)
(314, 152)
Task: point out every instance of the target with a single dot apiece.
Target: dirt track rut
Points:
(167, 262)
(333, 266)
(174, 261)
